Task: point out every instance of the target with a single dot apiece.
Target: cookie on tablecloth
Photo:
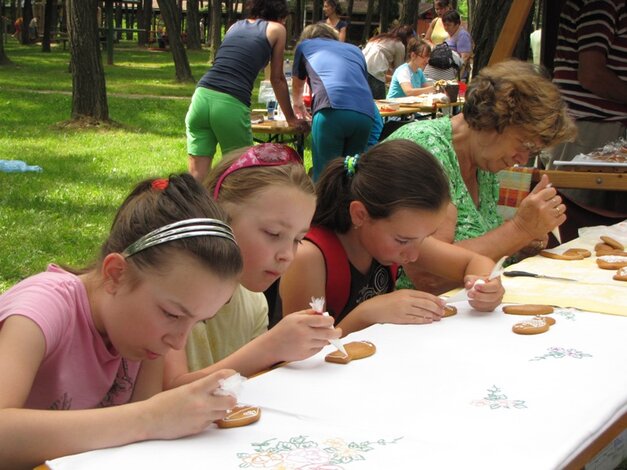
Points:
(561, 256)
(611, 262)
(356, 350)
(621, 275)
(533, 326)
(613, 243)
(241, 415)
(528, 309)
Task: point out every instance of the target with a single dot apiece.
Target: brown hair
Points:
(146, 209)
(401, 33)
(319, 30)
(391, 175)
(516, 93)
(418, 46)
(242, 185)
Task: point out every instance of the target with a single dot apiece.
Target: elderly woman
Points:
(343, 108)
(512, 112)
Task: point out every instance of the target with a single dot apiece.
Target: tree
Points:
(49, 20)
(410, 13)
(368, 22)
(193, 25)
(89, 91)
(144, 18)
(4, 60)
(170, 15)
(216, 27)
(27, 15)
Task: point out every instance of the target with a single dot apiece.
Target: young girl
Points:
(375, 212)
(73, 345)
(220, 109)
(270, 201)
(408, 79)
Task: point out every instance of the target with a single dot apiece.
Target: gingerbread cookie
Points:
(613, 243)
(528, 309)
(578, 251)
(241, 415)
(563, 256)
(449, 311)
(611, 262)
(533, 326)
(356, 350)
(621, 275)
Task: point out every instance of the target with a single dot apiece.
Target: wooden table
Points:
(608, 181)
(464, 392)
(280, 132)
(413, 108)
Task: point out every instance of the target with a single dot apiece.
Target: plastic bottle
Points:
(17, 166)
(287, 69)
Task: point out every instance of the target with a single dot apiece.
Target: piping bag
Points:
(556, 230)
(317, 303)
(463, 294)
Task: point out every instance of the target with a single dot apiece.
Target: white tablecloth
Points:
(462, 393)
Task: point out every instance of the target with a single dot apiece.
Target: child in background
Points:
(87, 341)
(270, 201)
(408, 79)
(382, 208)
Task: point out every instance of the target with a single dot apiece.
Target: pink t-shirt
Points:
(78, 371)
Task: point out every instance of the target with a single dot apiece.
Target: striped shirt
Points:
(591, 25)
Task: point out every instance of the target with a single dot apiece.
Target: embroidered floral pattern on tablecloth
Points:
(302, 453)
(560, 353)
(567, 313)
(496, 400)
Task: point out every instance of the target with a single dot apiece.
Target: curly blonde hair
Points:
(319, 30)
(516, 93)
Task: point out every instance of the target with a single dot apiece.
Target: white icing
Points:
(613, 259)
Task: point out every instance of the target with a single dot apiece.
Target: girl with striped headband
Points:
(375, 213)
(93, 340)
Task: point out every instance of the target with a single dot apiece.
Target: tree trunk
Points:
(118, 21)
(193, 25)
(130, 20)
(144, 21)
(89, 91)
(49, 21)
(384, 8)
(169, 13)
(216, 26)
(316, 12)
(27, 15)
(366, 34)
(410, 13)
(4, 60)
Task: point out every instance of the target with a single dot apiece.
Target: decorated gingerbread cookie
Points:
(621, 275)
(449, 311)
(611, 262)
(561, 256)
(241, 415)
(356, 350)
(533, 326)
(528, 309)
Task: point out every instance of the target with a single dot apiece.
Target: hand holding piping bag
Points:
(317, 304)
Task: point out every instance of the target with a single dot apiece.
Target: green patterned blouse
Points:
(436, 136)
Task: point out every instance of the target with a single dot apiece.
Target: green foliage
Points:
(63, 214)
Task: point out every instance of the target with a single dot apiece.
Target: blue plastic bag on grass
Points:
(17, 166)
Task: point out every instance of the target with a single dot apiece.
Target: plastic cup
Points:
(271, 109)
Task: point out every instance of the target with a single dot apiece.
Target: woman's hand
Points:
(405, 306)
(300, 111)
(541, 211)
(301, 335)
(188, 409)
(299, 122)
(484, 296)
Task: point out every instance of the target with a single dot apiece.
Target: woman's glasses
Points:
(260, 155)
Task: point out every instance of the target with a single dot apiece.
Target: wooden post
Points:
(513, 26)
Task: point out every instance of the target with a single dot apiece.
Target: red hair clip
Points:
(160, 184)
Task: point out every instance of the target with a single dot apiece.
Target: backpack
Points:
(338, 285)
(442, 57)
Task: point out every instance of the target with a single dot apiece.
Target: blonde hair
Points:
(516, 93)
(244, 184)
(319, 30)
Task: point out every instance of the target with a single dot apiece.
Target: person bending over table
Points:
(343, 107)
(511, 113)
(220, 109)
(408, 79)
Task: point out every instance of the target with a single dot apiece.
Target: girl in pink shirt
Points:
(87, 340)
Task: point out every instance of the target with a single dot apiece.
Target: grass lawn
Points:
(62, 214)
